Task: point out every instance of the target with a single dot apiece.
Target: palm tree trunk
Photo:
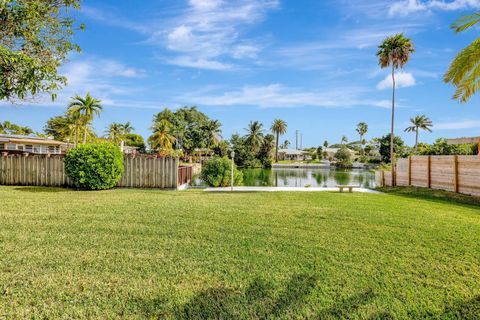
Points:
(76, 133)
(361, 145)
(416, 140)
(276, 147)
(392, 150)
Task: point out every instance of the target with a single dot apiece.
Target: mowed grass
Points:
(193, 255)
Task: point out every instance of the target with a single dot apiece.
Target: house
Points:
(31, 144)
(293, 154)
(332, 151)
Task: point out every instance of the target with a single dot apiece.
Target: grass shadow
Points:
(345, 308)
(41, 189)
(438, 196)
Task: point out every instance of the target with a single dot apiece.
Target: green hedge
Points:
(94, 166)
(217, 172)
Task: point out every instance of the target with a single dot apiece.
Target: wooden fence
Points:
(452, 173)
(140, 172)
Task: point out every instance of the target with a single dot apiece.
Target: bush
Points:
(217, 172)
(343, 157)
(94, 166)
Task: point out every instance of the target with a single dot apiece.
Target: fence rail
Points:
(452, 173)
(46, 170)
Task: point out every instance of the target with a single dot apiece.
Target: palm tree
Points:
(394, 51)
(127, 128)
(115, 132)
(344, 140)
(254, 135)
(87, 108)
(213, 131)
(285, 144)
(464, 70)
(419, 122)
(362, 129)
(162, 137)
(279, 127)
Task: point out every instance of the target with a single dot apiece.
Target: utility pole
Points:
(296, 139)
(301, 141)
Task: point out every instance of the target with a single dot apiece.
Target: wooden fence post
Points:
(429, 171)
(410, 171)
(455, 174)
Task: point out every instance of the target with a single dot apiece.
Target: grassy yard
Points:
(186, 255)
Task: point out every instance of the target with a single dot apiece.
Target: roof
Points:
(292, 151)
(334, 150)
(463, 140)
(12, 138)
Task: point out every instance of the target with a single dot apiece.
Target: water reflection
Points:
(307, 177)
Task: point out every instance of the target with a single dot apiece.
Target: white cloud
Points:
(199, 63)
(210, 31)
(406, 7)
(279, 96)
(457, 125)
(402, 80)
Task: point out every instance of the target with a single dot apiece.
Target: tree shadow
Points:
(41, 189)
(345, 308)
(259, 298)
(467, 310)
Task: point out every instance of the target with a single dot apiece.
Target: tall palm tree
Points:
(127, 128)
(279, 127)
(254, 135)
(115, 132)
(344, 140)
(162, 137)
(419, 122)
(362, 129)
(464, 71)
(394, 52)
(213, 131)
(87, 107)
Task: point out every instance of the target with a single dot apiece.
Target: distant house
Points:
(31, 144)
(293, 154)
(332, 151)
(463, 140)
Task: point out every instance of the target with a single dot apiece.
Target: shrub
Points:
(343, 157)
(217, 172)
(94, 166)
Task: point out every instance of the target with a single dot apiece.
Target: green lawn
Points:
(154, 254)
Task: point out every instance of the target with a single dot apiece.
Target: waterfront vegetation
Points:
(128, 253)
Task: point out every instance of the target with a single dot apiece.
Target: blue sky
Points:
(309, 62)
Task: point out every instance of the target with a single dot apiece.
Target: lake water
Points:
(306, 177)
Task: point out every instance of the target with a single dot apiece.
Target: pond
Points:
(306, 177)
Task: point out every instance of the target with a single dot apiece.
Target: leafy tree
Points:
(442, 148)
(325, 144)
(135, 140)
(222, 148)
(343, 157)
(266, 150)
(385, 149)
(394, 52)
(362, 129)
(255, 135)
(162, 138)
(7, 127)
(464, 70)
(279, 127)
(35, 40)
(319, 152)
(62, 128)
(85, 109)
(419, 122)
